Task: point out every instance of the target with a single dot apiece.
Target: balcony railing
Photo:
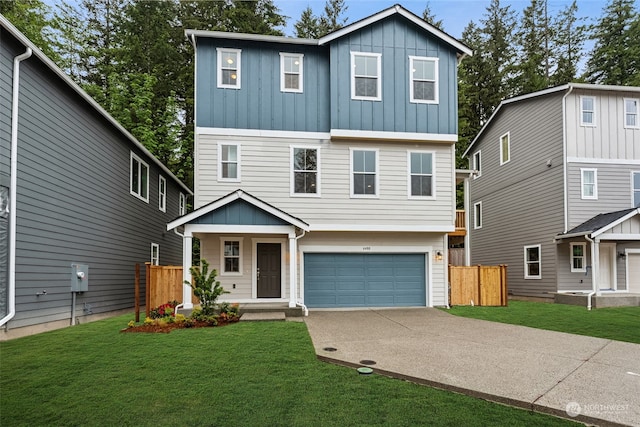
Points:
(460, 219)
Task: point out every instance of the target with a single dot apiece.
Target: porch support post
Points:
(293, 262)
(186, 266)
(595, 269)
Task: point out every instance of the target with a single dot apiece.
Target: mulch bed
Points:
(168, 327)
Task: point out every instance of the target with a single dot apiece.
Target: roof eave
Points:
(249, 37)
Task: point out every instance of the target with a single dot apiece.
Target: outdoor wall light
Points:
(621, 254)
(438, 256)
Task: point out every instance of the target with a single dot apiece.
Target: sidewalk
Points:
(588, 379)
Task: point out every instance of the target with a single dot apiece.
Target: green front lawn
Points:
(245, 374)
(619, 323)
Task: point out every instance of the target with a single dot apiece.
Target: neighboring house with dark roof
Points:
(557, 188)
(78, 194)
(324, 169)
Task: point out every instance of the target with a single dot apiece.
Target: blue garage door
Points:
(364, 280)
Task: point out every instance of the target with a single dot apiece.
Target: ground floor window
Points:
(532, 262)
(231, 250)
(578, 257)
(155, 254)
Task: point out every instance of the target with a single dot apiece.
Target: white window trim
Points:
(182, 204)
(526, 274)
(239, 158)
(292, 172)
(633, 188)
(433, 175)
(377, 181)
(220, 50)
(436, 92)
(240, 257)
(133, 157)
(478, 170)
(508, 135)
(477, 207)
(162, 193)
(582, 123)
(353, 76)
(155, 248)
(637, 113)
(300, 57)
(584, 257)
(595, 184)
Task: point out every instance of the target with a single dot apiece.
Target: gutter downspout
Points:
(11, 294)
(564, 160)
(593, 275)
(299, 302)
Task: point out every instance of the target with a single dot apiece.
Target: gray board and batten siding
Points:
(515, 212)
(73, 197)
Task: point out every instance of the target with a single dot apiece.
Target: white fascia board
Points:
(614, 223)
(384, 228)
(249, 37)
(572, 235)
(239, 229)
(260, 133)
(53, 67)
(390, 136)
(370, 249)
(618, 236)
(587, 86)
(594, 160)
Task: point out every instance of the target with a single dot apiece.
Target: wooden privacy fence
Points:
(163, 284)
(478, 285)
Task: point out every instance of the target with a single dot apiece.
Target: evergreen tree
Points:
(333, 19)
(30, 17)
(533, 69)
(430, 18)
(69, 40)
(566, 50)
(308, 26)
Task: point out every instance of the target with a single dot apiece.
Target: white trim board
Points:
(257, 133)
(384, 227)
(402, 136)
(603, 161)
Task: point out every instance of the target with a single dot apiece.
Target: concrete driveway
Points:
(589, 379)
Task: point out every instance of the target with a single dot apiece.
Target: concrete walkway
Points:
(588, 379)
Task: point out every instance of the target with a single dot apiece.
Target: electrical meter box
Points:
(79, 277)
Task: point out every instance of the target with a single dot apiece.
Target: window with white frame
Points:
(364, 176)
(182, 205)
(229, 162)
(631, 113)
(477, 164)
(291, 77)
(589, 183)
(231, 254)
(635, 183)
(505, 148)
(155, 254)
(139, 178)
(578, 257)
(532, 262)
(229, 68)
(421, 174)
(366, 76)
(587, 111)
(305, 171)
(162, 194)
(477, 215)
(423, 87)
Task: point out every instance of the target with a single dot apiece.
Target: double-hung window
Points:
(423, 87)
(477, 215)
(229, 162)
(182, 204)
(532, 262)
(421, 174)
(366, 73)
(364, 173)
(139, 183)
(231, 252)
(587, 111)
(291, 77)
(505, 148)
(631, 113)
(229, 68)
(578, 257)
(635, 182)
(477, 164)
(589, 183)
(155, 254)
(305, 171)
(162, 194)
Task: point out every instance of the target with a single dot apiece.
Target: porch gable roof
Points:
(238, 208)
(600, 223)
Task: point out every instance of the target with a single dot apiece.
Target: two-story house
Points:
(79, 196)
(324, 169)
(557, 189)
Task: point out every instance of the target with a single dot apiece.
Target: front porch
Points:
(598, 301)
(263, 309)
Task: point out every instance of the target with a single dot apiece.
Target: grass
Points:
(246, 374)
(619, 323)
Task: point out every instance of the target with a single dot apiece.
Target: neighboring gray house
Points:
(557, 190)
(75, 189)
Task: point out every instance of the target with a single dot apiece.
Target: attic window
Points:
(423, 79)
(366, 76)
(229, 68)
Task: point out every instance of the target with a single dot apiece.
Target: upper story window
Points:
(364, 173)
(587, 111)
(635, 178)
(532, 262)
(305, 171)
(578, 257)
(505, 148)
(162, 194)
(228, 162)
(631, 113)
(182, 205)
(366, 72)
(477, 215)
(231, 254)
(155, 254)
(229, 68)
(139, 185)
(423, 86)
(477, 164)
(421, 174)
(291, 72)
(589, 183)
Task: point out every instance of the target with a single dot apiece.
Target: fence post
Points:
(503, 285)
(449, 285)
(479, 285)
(137, 292)
(148, 288)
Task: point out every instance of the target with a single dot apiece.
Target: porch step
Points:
(606, 300)
(270, 308)
(263, 316)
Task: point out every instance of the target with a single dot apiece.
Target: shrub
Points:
(164, 310)
(205, 287)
